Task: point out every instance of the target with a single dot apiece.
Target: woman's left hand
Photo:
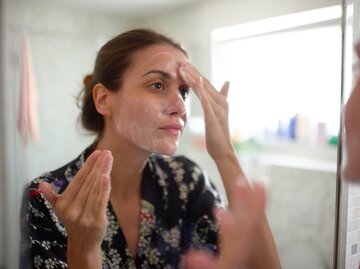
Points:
(215, 107)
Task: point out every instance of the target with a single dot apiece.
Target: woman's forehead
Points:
(158, 56)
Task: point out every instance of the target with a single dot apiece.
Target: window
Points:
(285, 77)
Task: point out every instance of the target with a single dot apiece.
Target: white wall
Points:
(64, 44)
(11, 174)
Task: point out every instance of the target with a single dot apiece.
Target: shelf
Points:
(293, 155)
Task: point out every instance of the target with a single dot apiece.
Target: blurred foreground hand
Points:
(239, 226)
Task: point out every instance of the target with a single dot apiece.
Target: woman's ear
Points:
(101, 96)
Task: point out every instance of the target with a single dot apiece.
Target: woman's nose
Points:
(176, 105)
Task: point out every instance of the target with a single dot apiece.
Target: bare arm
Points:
(218, 142)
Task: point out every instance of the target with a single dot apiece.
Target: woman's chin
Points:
(168, 150)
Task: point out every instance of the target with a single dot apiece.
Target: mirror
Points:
(285, 118)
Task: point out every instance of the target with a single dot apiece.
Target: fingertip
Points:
(241, 187)
(219, 213)
(225, 88)
(95, 154)
(107, 152)
(260, 192)
(44, 186)
(48, 192)
(259, 187)
(197, 259)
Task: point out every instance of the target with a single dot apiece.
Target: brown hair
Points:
(112, 61)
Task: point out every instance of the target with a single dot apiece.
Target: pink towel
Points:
(27, 118)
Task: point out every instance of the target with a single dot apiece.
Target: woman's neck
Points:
(128, 165)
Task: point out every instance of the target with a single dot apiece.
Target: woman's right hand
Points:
(82, 206)
(239, 228)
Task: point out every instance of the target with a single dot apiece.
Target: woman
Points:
(134, 102)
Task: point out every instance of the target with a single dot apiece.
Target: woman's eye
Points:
(157, 86)
(184, 93)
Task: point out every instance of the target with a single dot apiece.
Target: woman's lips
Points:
(173, 129)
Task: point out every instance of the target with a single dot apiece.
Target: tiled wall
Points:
(301, 214)
(353, 229)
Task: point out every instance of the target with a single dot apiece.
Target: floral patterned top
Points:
(176, 215)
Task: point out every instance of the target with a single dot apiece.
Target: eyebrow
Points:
(157, 71)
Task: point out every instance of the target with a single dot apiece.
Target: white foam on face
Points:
(140, 125)
(138, 120)
(167, 61)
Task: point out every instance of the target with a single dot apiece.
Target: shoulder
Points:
(60, 177)
(35, 209)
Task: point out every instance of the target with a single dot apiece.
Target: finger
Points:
(239, 199)
(108, 162)
(96, 204)
(255, 212)
(211, 100)
(76, 183)
(48, 193)
(88, 188)
(200, 260)
(102, 176)
(102, 165)
(207, 87)
(218, 100)
(259, 197)
(212, 91)
(195, 81)
(103, 195)
(199, 84)
(225, 89)
(224, 220)
(221, 215)
(191, 77)
(89, 164)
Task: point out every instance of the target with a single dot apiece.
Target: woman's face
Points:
(149, 110)
(351, 168)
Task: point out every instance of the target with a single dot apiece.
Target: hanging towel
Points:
(27, 118)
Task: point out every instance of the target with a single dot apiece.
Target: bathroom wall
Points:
(63, 43)
(9, 154)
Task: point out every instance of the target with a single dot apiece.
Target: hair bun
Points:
(87, 79)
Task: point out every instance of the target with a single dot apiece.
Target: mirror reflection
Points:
(283, 61)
